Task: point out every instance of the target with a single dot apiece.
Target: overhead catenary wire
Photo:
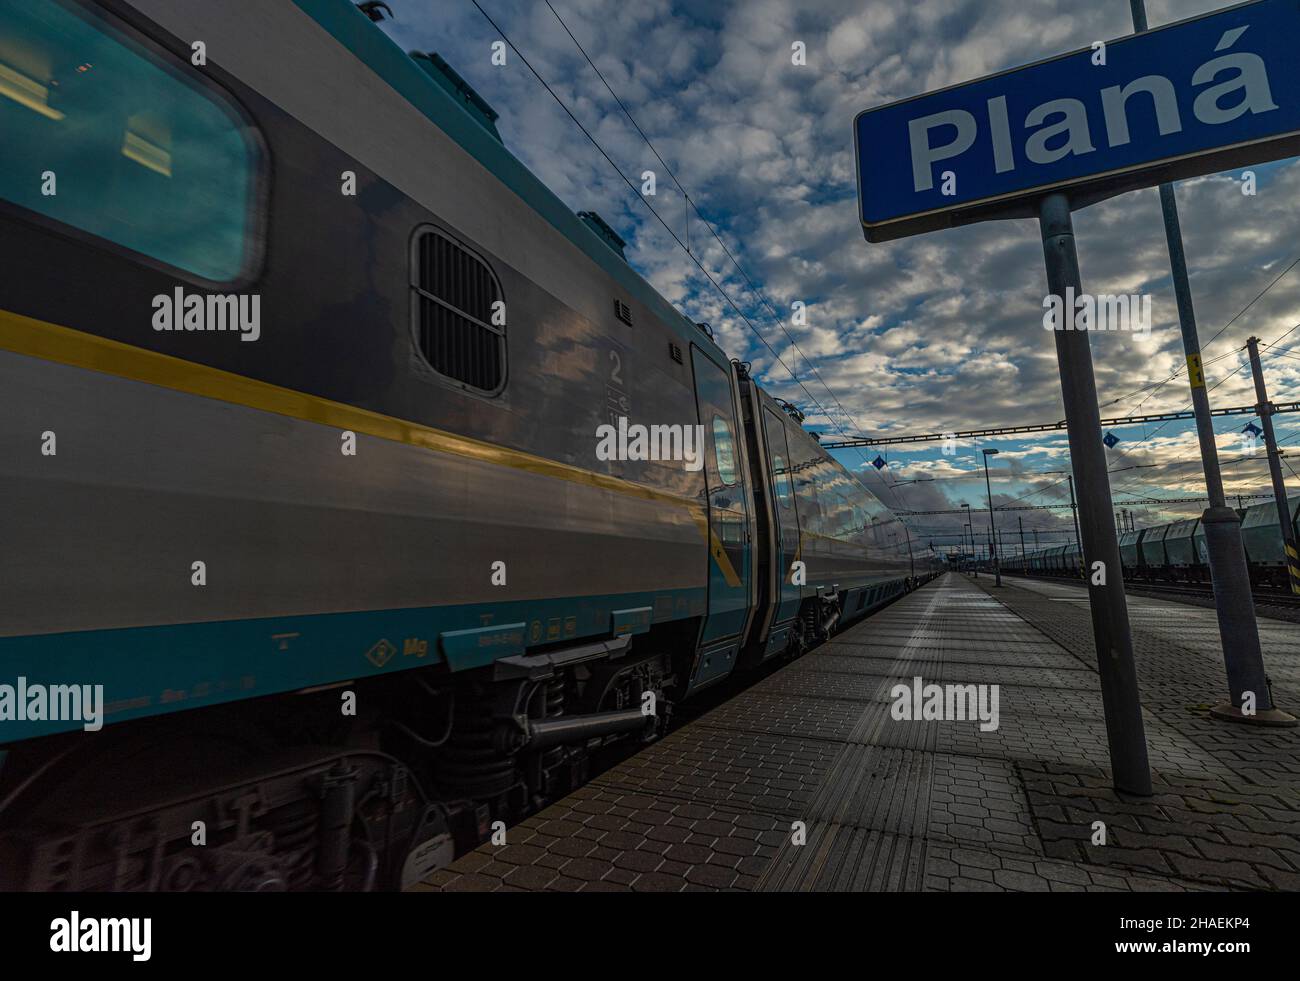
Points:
(1244, 367)
(668, 228)
(755, 290)
(685, 248)
(1239, 314)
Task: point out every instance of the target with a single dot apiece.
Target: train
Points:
(319, 566)
(1176, 552)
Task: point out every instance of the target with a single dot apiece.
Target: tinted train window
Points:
(805, 483)
(455, 295)
(780, 451)
(724, 450)
(99, 134)
(781, 476)
(839, 516)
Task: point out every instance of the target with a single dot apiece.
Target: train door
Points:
(730, 553)
(785, 530)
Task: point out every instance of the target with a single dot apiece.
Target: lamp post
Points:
(993, 533)
(974, 569)
(910, 559)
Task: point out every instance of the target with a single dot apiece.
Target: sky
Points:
(935, 333)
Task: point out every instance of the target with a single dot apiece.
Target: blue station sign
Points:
(1195, 97)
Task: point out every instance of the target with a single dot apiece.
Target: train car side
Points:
(393, 497)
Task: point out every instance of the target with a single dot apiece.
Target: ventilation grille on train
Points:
(455, 293)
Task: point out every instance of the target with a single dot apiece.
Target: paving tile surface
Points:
(806, 781)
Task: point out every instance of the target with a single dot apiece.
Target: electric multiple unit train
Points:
(301, 375)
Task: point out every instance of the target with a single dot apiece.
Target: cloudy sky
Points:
(936, 333)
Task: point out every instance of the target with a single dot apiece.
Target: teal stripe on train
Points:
(154, 670)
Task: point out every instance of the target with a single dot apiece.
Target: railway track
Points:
(1272, 603)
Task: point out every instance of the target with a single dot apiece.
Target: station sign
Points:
(1194, 97)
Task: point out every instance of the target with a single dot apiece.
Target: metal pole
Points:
(1265, 410)
(1074, 508)
(993, 543)
(970, 524)
(1125, 734)
(1021, 522)
(1229, 575)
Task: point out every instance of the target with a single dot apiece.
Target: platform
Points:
(894, 805)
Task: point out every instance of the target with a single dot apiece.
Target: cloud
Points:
(931, 334)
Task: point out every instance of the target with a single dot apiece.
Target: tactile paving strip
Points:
(866, 825)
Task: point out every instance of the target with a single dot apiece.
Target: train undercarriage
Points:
(288, 793)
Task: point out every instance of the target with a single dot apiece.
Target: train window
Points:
(841, 515)
(116, 143)
(780, 450)
(781, 477)
(460, 314)
(724, 450)
(806, 485)
(859, 519)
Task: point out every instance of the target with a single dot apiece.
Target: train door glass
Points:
(729, 546)
(787, 522)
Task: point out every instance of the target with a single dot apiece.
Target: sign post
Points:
(1109, 606)
(1194, 97)
(1229, 574)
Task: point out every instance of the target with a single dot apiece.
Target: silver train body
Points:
(393, 494)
